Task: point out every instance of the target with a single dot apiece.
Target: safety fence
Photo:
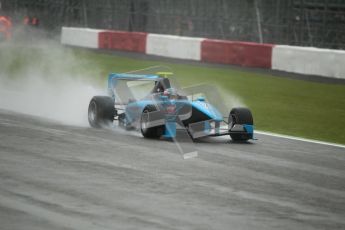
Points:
(317, 23)
(303, 60)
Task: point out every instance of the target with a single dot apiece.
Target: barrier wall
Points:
(82, 37)
(120, 40)
(309, 60)
(174, 46)
(303, 60)
(237, 53)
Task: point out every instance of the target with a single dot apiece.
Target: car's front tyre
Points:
(241, 116)
(149, 132)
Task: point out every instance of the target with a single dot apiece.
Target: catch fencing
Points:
(318, 23)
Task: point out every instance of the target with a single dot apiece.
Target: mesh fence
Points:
(319, 23)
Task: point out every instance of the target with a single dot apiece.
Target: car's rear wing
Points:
(122, 92)
(130, 77)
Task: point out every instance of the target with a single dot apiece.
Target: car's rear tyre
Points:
(241, 116)
(150, 132)
(101, 111)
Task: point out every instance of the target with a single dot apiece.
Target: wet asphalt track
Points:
(61, 177)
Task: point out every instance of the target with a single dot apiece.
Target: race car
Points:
(149, 103)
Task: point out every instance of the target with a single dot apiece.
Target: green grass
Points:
(281, 105)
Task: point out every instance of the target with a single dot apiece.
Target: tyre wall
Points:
(237, 53)
(120, 40)
(174, 46)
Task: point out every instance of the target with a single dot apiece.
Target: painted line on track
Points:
(299, 139)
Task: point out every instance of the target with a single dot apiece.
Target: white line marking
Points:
(190, 155)
(299, 139)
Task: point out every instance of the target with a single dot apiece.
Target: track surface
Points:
(62, 177)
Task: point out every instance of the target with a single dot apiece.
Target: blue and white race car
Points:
(149, 103)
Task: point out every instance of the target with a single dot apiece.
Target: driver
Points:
(159, 88)
(171, 93)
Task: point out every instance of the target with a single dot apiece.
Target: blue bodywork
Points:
(207, 113)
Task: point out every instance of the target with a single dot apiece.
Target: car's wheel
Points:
(101, 111)
(240, 116)
(150, 132)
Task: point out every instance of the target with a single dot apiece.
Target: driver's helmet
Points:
(171, 93)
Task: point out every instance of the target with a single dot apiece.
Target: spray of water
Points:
(44, 79)
(221, 99)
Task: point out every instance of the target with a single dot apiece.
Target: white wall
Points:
(309, 60)
(82, 37)
(174, 46)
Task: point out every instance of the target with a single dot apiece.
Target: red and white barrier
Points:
(120, 40)
(82, 37)
(303, 60)
(174, 46)
(237, 53)
(309, 60)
